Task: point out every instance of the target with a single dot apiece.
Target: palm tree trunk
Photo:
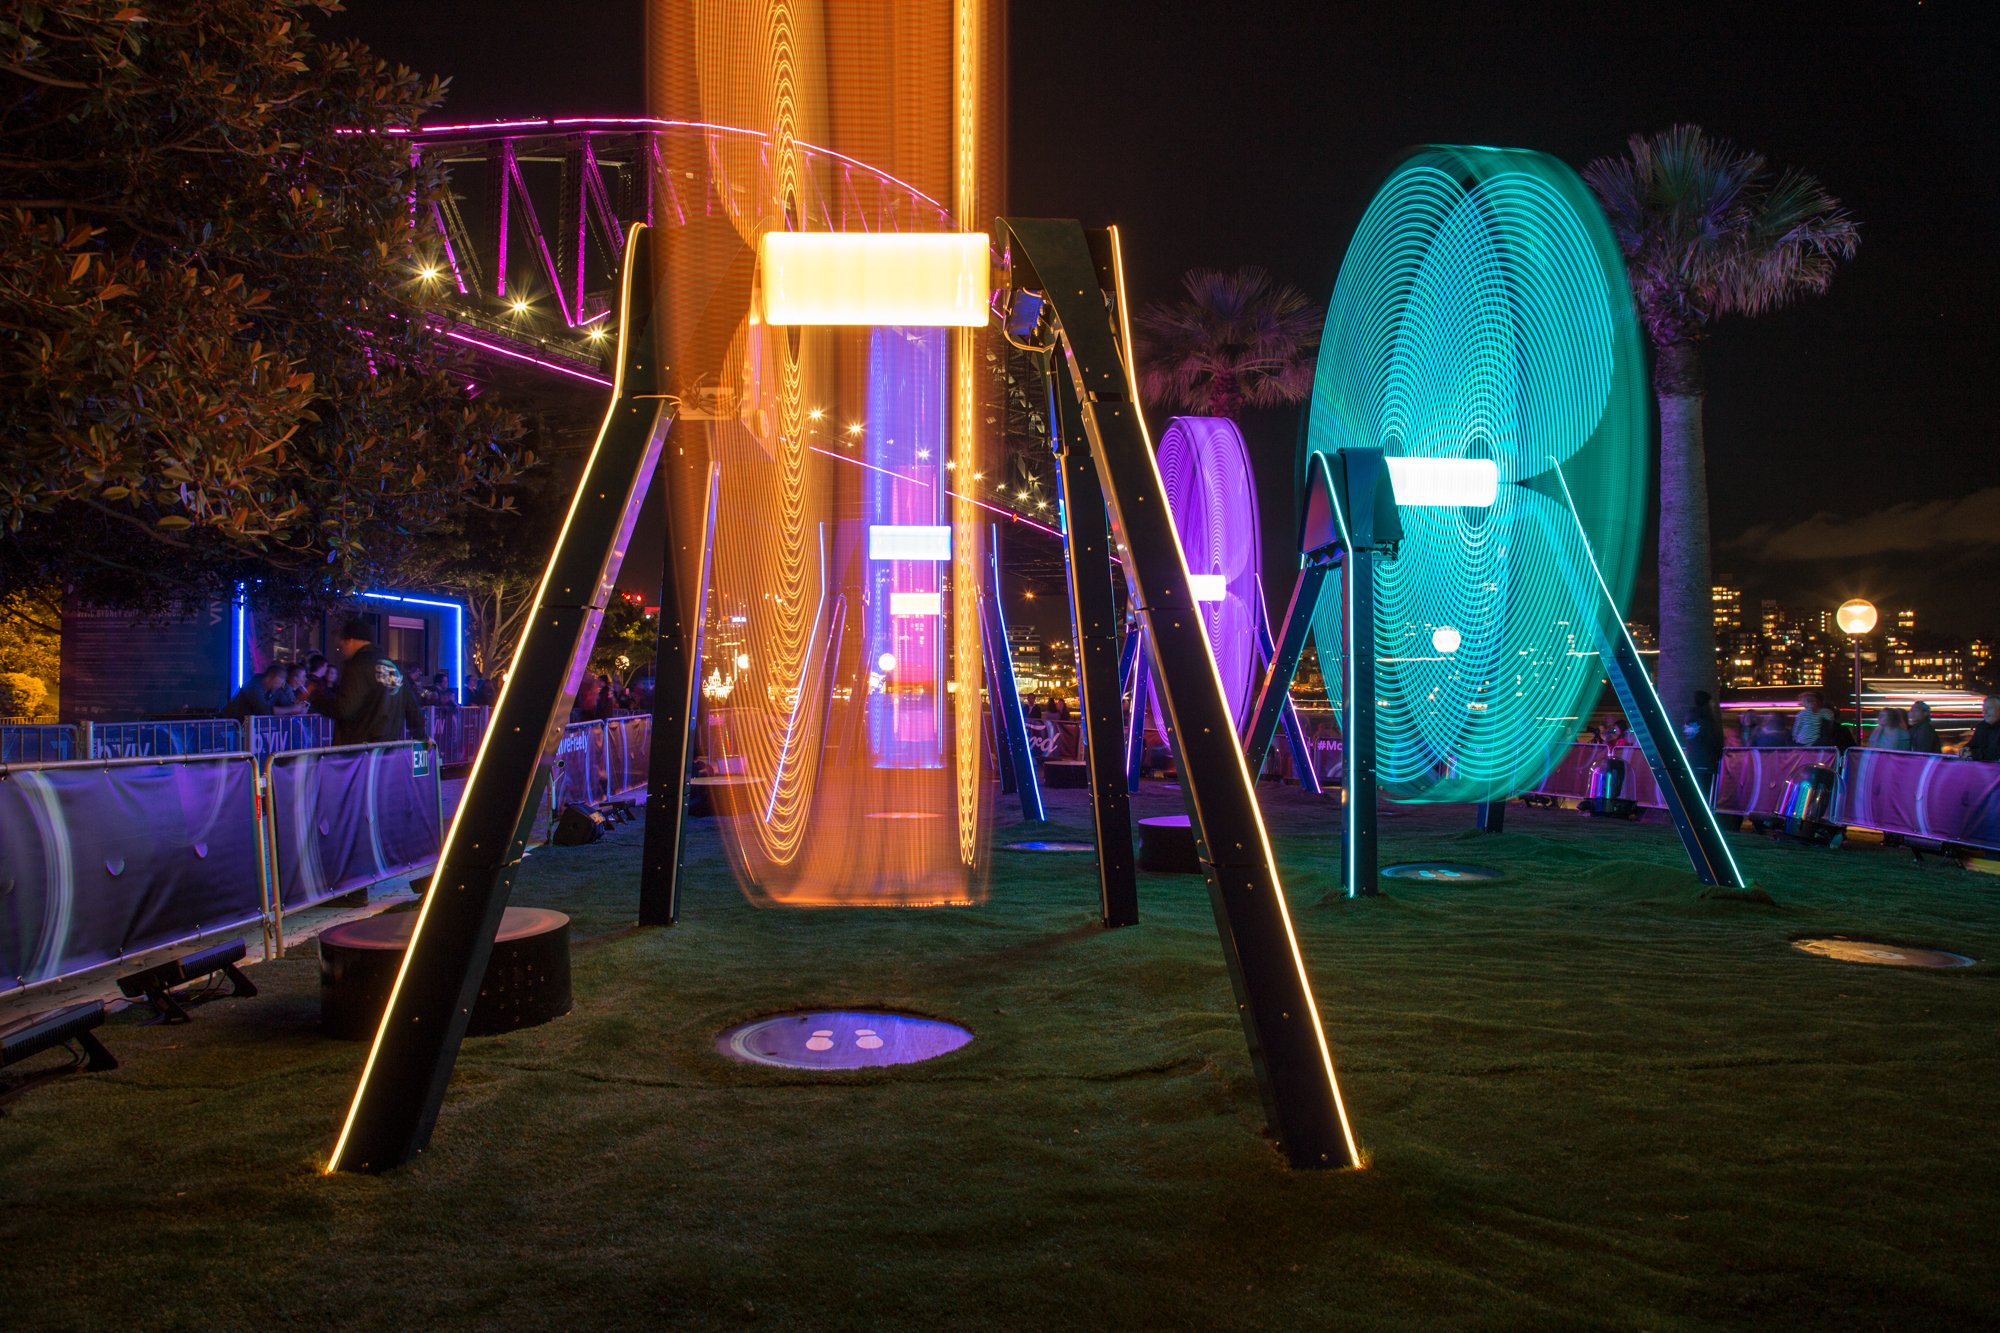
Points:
(1687, 609)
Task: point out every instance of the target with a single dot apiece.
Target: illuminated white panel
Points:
(924, 279)
(890, 541)
(916, 604)
(1209, 587)
(1472, 482)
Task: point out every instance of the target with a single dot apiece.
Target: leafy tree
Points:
(1240, 339)
(216, 360)
(1707, 230)
(30, 641)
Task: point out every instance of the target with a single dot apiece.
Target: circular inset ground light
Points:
(1044, 845)
(1441, 872)
(1881, 955)
(840, 1039)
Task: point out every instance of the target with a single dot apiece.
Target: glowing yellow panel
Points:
(913, 279)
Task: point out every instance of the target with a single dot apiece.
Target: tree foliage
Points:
(1240, 339)
(1709, 229)
(216, 358)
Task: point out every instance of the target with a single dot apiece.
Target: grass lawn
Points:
(1591, 1096)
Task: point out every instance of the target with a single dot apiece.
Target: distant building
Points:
(1728, 603)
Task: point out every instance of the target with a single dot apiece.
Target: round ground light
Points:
(836, 1039)
(1440, 872)
(1881, 955)
(1044, 845)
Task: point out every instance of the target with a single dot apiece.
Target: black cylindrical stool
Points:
(1166, 844)
(1066, 773)
(526, 981)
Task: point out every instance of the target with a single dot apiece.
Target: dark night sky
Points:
(1852, 448)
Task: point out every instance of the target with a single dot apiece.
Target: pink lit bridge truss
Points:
(529, 240)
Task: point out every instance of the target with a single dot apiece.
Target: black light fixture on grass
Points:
(155, 984)
(61, 1027)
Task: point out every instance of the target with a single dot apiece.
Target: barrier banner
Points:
(344, 818)
(580, 772)
(135, 740)
(98, 861)
(1569, 776)
(631, 752)
(456, 732)
(1753, 780)
(296, 731)
(37, 743)
(1920, 795)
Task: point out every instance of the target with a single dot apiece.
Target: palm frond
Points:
(1706, 230)
(1239, 338)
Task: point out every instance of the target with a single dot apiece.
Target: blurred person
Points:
(254, 699)
(292, 699)
(1813, 724)
(1701, 739)
(584, 709)
(1769, 732)
(1923, 736)
(370, 702)
(1892, 730)
(1734, 734)
(1984, 744)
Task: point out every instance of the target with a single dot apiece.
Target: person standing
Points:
(370, 702)
(1814, 723)
(254, 699)
(1923, 736)
(1892, 730)
(1985, 742)
(1701, 738)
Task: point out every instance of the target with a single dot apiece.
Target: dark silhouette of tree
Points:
(216, 361)
(1238, 340)
(1708, 230)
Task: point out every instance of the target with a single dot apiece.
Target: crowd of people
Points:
(1706, 733)
(369, 697)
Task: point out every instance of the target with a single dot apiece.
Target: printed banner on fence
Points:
(1753, 780)
(1570, 774)
(1920, 795)
(99, 861)
(343, 819)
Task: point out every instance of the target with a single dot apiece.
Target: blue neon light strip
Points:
(457, 610)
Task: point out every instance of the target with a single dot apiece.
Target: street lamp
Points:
(1856, 617)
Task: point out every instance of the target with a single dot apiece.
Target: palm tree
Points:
(1238, 340)
(1707, 230)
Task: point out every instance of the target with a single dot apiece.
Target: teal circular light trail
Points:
(1482, 312)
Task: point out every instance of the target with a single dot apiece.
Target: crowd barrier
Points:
(100, 860)
(159, 740)
(456, 732)
(1935, 797)
(299, 731)
(598, 759)
(341, 819)
(1569, 777)
(1753, 780)
(1920, 795)
(37, 743)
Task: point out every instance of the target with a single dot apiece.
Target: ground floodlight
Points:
(72, 1023)
(155, 984)
(914, 279)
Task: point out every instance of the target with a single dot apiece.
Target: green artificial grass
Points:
(1591, 1094)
